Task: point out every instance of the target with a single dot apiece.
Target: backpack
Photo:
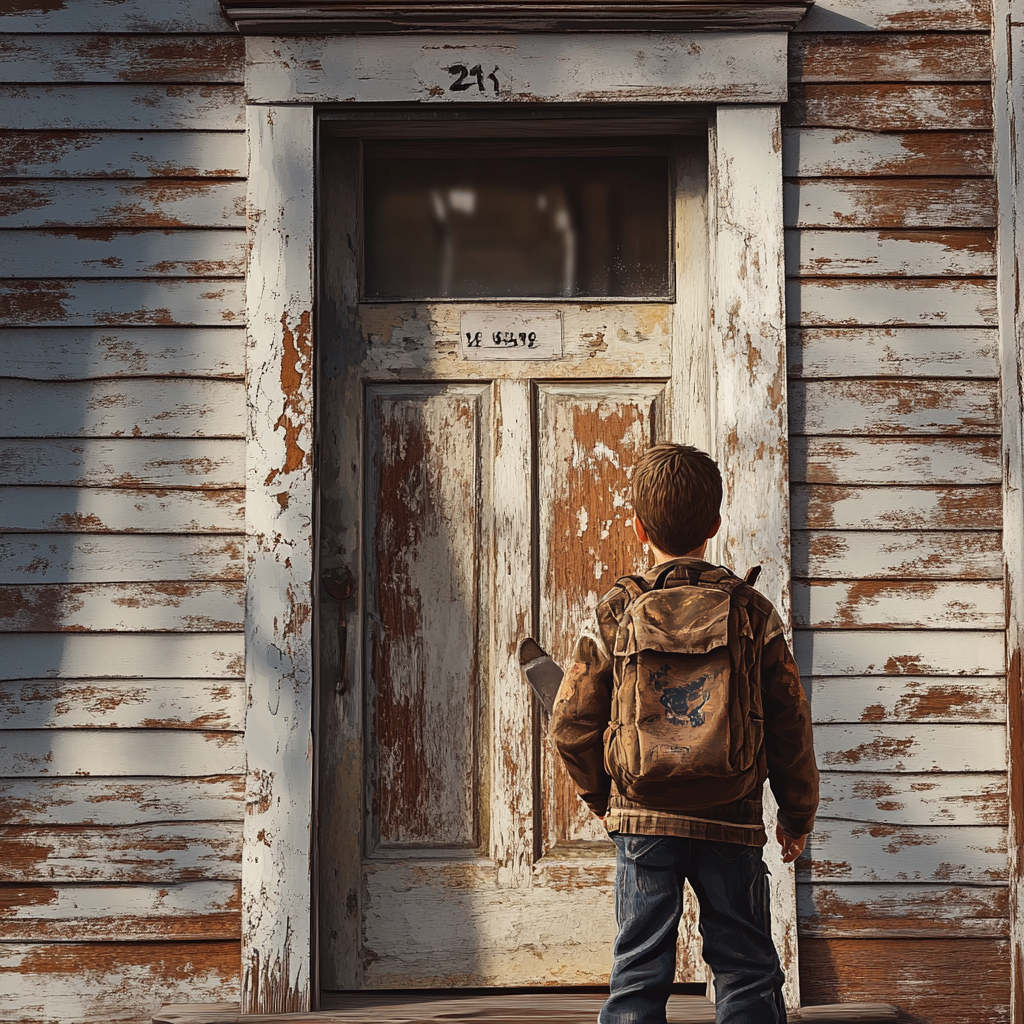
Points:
(687, 723)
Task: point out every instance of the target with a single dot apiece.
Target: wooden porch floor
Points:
(493, 1008)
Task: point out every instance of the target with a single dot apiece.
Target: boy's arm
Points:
(581, 715)
(789, 746)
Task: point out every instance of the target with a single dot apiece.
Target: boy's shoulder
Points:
(758, 608)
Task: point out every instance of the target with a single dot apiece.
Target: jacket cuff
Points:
(795, 826)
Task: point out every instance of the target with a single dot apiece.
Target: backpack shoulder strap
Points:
(634, 586)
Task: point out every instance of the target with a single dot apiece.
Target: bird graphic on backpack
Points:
(680, 702)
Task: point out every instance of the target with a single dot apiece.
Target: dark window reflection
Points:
(500, 219)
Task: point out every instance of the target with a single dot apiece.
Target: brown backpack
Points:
(686, 723)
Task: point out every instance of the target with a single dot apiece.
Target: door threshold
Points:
(496, 1008)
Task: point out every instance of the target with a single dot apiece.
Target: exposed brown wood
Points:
(157, 606)
(120, 801)
(887, 556)
(842, 152)
(123, 408)
(122, 107)
(911, 253)
(840, 851)
(121, 58)
(835, 910)
(61, 913)
(128, 462)
(889, 108)
(823, 507)
(46, 558)
(83, 154)
(893, 352)
(895, 461)
(931, 798)
(892, 747)
(122, 704)
(923, 977)
(113, 982)
(104, 253)
(76, 353)
(151, 203)
(898, 16)
(889, 407)
(890, 203)
(116, 510)
(146, 853)
(903, 57)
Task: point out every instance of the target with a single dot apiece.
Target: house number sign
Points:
(504, 333)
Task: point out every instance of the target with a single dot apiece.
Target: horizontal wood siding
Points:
(895, 419)
(122, 420)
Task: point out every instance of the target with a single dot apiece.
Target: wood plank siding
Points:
(122, 415)
(898, 580)
(123, 700)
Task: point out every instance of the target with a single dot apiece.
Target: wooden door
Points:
(477, 497)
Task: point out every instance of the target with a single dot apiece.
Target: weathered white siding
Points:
(122, 413)
(898, 579)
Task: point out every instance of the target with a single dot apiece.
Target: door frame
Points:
(743, 75)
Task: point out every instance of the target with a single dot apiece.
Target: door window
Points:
(475, 219)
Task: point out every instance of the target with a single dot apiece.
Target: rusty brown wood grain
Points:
(149, 854)
(122, 107)
(893, 407)
(924, 977)
(115, 982)
(149, 203)
(110, 57)
(118, 510)
(898, 16)
(163, 463)
(895, 107)
(121, 704)
(835, 910)
(123, 800)
(890, 203)
(826, 507)
(895, 461)
(77, 353)
(902, 57)
(893, 352)
(908, 798)
(845, 152)
(112, 154)
(80, 558)
(207, 910)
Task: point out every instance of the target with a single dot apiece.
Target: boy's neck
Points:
(660, 556)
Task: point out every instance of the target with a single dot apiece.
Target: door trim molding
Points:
(747, 340)
(353, 17)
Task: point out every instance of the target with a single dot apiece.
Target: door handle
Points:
(340, 584)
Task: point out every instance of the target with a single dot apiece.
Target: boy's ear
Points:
(715, 527)
(638, 529)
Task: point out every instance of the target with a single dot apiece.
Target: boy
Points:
(683, 827)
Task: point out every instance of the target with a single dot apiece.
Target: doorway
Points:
(510, 312)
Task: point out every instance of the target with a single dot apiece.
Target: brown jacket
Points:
(583, 710)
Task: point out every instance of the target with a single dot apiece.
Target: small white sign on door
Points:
(503, 333)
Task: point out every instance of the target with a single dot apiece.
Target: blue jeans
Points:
(731, 884)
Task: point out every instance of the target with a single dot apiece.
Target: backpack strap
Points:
(634, 586)
(752, 573)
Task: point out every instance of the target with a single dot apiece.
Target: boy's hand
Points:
(792, 846)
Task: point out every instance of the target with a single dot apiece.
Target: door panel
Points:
(477, 502)
(589, 436)
(427, 663)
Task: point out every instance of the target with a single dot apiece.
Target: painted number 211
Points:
(466, 78)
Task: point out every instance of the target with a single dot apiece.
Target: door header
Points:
(350, 17)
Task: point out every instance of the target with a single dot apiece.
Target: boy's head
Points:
(677, 495)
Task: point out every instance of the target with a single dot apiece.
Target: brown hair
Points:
(677, 494)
